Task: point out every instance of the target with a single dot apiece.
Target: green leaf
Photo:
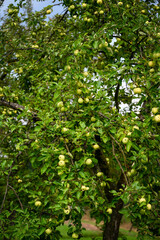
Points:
(44, 168)
(129, 145)
(41, 231)
(82, 174)
(78, 195)
(82, 124)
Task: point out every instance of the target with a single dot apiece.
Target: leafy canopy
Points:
(77, 123)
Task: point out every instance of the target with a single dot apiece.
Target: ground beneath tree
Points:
(90, 224)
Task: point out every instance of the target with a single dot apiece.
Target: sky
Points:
(37, 6)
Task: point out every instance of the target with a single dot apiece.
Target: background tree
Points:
(79, 102)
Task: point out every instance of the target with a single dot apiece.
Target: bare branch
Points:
(116, 96)
(16, 196)
(15, 106)
(113, 149)
(125, 160)
(7, 185)
(19, 107)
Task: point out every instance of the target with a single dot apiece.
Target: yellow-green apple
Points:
(80, 100)
(137, 90)
(38, 203)
(61, 157)
(109, 210)
(154, 110)
(125, 140)
(157, 118)
(96, 146)
(88, 161)
(48, 231)
(61, 163)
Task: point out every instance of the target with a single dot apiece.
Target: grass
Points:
(97, 235)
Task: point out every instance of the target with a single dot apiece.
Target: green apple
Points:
(109, 210)
(80, 100)
(48, 231)
(88, 161)
(84, 188)
(87, 134)
(154, 110)
(68, 68)
(75, 235)
(72, 7)
(101, 12)
(157, 118)
(76, 52)
(125, 140)
(143, 11)
(151, 63)
(84, 5)
(128, 174)
(85, 74)
(63, 109)
(67, 211)
(135, 127)
(156, 55)
(19, 180)
(96, 146)
(48, 11)
(107, 160)
(61, 163)
(61, 157)
(99, 174)
(60, 104)
(99, 1)
(149, 206)
(93, 119)
(103, 184)
(64, 130)
(137, 90)
(142, 200)
(120, 3)
(79, 91)
(86, 100)
(151, 70)
(37, 203)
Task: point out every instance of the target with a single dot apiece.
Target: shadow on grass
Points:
(96, 235)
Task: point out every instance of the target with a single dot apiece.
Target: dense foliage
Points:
(79, 118)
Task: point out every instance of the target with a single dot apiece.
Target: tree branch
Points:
(16, 196)
(120, 150)
(116, 96)
(19, 107)
(113, 150)
(14, 106)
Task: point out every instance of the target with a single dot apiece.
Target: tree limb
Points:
(113, 150)
(16, 196)
(12, 105)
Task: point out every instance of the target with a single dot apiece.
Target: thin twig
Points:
(16, 196)
(125, 160)
(70, 154)
(5, 194)
(113, 149)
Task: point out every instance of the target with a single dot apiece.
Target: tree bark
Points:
(111, 230)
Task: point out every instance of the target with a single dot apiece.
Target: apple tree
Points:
(79, 118)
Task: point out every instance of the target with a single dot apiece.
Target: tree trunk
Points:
(111, 230)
